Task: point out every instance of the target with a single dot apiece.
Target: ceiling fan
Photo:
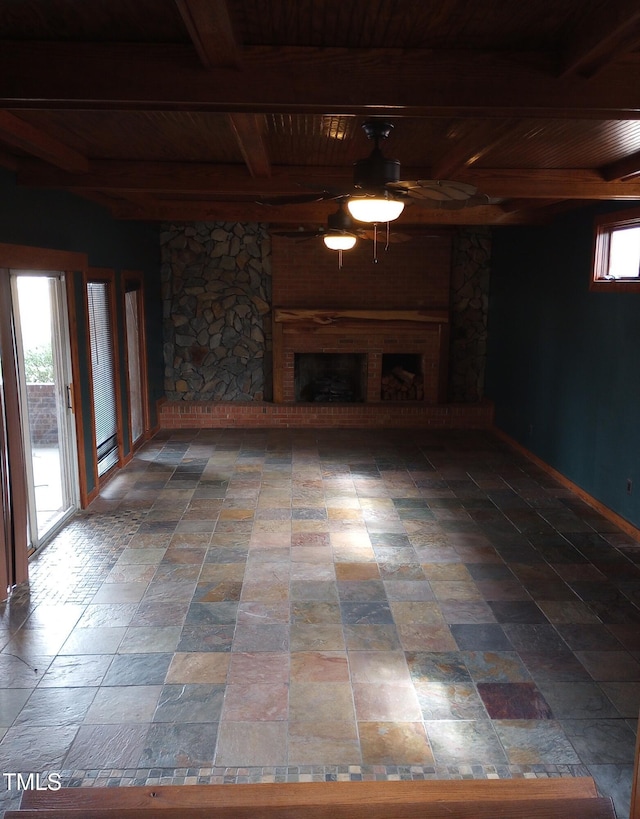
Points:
(341, 233)
(379, 195)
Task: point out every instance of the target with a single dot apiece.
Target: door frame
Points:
(24, 257)
(134, 280)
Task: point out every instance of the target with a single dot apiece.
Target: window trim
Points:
(134, 280)
(106, 276)
(603, 228)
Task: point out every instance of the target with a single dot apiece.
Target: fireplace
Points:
(330, 377)
(355, 347)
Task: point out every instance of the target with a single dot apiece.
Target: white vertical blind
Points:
(133, 357)
(103, 369)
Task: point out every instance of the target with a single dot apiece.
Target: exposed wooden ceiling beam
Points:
(548, 184)
(475, 144)
(211, 31)
(603, 34)
(625, 168)
(167, 210)
(231, 181)
(209, 25)
(518, 205)
(249, 133)
(389, 82)
(20, 134)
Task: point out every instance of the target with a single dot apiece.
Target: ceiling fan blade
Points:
(438, 190)
(297, 234)
(381, 236)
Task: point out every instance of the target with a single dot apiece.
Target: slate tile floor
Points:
(271, 605)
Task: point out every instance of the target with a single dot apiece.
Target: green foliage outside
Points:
(38, 365)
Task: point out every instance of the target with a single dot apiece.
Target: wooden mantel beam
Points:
(389, 82)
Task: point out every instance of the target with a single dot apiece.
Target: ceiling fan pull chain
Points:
(386, 246)
(340, 259)
(375, 243)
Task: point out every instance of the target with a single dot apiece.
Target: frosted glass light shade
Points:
(339, 241)
(370, 209)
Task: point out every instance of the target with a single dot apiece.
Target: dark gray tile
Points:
(212, 614)
(56, 706)
(138, 669)
(106, 746)
(480, 637)
(206, 638)
(179, 746)
(190, 703)
(600, 741)
(376, 613)
(29, 748)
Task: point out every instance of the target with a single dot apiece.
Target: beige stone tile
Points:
(383, 702)
(357, 571)
(323, 743)
(379, 666)
(251, 702)
(417, 612)
(319, 666)
(258, 667)
(198, 667)
(251, 744)
(320, 702)
(394, 743)
(312, 637)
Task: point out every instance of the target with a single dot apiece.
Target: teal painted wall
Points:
(61, 221)
(564, 363)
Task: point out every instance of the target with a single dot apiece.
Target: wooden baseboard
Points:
(609, 514)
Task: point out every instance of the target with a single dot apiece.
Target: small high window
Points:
(616, 258)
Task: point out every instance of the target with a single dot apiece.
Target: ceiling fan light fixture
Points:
(379, 208)
(339, 241)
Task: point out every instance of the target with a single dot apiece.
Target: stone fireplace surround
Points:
(225, 269)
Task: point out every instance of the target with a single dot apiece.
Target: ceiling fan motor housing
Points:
(340, 220)
(376, 170)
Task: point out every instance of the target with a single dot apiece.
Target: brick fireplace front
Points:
(374, 335)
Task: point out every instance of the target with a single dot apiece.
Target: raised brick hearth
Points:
(387, 415)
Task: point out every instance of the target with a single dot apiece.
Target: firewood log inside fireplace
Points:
(402, 385)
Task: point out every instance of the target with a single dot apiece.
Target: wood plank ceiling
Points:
(198, 109)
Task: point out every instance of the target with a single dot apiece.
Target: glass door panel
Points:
(44, 368)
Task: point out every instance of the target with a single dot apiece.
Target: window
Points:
(616, 259)
(103, 358)
(139, 422)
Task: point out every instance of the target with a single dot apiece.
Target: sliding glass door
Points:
(44, 382)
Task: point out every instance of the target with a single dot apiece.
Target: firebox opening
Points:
(330, 377)
(402, 378)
